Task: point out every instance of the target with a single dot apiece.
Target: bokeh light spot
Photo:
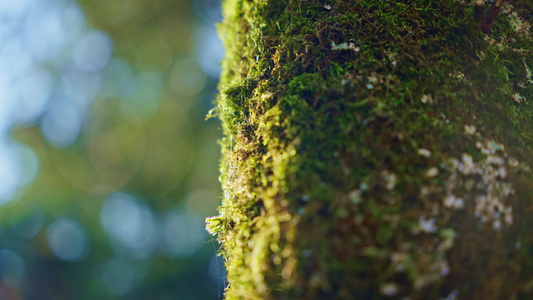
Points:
(15, 61)
(144, 99)
(12, 268)
(202, 203)
(10, 174)
(92, 51)
(61, 125)
(208, 10)
(209, 50)
(78, 88)
(183, 235)
(43, 31)
(18, 167)
(169, 153)
(32, 95)
(28, 162)
(67, 239)
(130, 223)
(72, 18)
(30, 226)
(14, 8)
(187, 77)
(117, 79)
(154, 52)
(118, 276)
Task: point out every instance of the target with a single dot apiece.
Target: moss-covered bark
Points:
(376, 149)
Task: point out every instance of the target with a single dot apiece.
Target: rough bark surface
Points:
(376, 149)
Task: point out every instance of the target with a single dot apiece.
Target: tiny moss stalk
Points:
(376, 149)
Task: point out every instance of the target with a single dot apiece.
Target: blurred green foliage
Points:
(150, 148)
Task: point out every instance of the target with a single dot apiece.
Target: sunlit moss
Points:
(339, 119)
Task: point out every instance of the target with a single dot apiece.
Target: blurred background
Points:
(108, 167)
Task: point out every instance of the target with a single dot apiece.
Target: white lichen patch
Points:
(470, 129)
(349, 79)
(425, 225)
(513, 162)
(355, 196)
(350, 46)
(426, 98)
(427, 261)
(392, 58)
(529, 75)
(518, 98)
(389, 289)
(424, 152)
(486, 181)
(267, 95)
(460, 76)
(432, 172)
(390, 179)
(451, 201)
(374, 79)
(437, 266)
(519, 24)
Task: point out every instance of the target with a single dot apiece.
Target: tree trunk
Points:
(376, 149)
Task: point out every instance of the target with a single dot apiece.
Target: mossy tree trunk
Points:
(376, 149)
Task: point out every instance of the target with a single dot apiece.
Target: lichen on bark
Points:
(375, 149)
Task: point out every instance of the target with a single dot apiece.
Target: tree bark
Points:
(375, 149)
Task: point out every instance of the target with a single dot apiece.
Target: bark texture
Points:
(376, 149)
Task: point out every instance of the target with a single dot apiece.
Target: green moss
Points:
(349, 128)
